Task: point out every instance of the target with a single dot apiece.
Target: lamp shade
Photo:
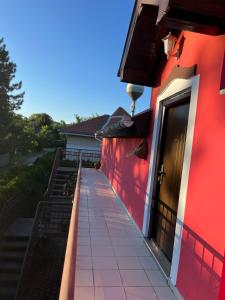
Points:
(169, 43)
(134, 91)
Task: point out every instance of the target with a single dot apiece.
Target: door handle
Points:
(161, 174)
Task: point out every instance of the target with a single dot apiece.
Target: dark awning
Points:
(137, 126)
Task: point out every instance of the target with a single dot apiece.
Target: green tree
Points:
(10, 99)
(79, 118)
(39, 120)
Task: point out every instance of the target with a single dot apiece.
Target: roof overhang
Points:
(137, 126)
(202, 16)
(77, 134)
(143, 49)
(143, 56)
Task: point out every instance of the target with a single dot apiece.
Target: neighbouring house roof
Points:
(90, 127)
(143, 56)
(127, 126)
(120, 112)
(86, 128)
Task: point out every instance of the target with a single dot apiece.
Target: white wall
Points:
(80, 142)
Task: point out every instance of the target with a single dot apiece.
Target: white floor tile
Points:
(107, 278)
(84, 250)
(140, 293)
(84, 277)
(148, 263)
(113, 262)
(164, 293)
(156, 278)
(84, 262)
(104, 263)
(109, 293)
(127, 263)
(102, 251)
(134, 278)
(84, 293)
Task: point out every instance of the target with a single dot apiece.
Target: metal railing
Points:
(54, 166)
(89, 157)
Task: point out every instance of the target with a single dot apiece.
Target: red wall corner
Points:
(222, 286)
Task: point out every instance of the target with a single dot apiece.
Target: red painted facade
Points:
(127, 174)
(222, 286)
(203, 245)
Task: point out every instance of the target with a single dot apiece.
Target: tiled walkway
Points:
(113, 262)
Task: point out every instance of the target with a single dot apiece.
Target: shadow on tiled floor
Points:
(113, 262)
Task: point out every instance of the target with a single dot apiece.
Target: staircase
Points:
(63, 183)
(12, 251)
(44, 260)
(62, 180)
(44, 263)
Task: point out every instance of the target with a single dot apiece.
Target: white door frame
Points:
(174, 87)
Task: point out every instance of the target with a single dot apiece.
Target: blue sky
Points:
(67, 54)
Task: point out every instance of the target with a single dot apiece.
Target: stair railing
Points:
(68, 277)
(27, 255)
(57, 159)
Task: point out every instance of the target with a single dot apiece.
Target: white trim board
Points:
(176, 86)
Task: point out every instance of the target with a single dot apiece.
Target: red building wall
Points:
(222, 286)
(203, 241)
(128, 175)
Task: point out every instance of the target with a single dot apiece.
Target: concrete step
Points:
(59, 197)
(60, 180)
(64, 174)
(8, 278)
(59, 185)
(67, 169)
(12, 256)
(10, 266)
(14, 245)
(10, 237)
(7, 293)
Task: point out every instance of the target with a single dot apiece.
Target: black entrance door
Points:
(165, 202)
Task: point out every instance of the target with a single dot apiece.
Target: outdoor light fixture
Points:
(134, 91)
(169, 43)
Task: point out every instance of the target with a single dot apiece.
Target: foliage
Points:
(27, 183)
(79, 118)
(39, 120)
(10, 99)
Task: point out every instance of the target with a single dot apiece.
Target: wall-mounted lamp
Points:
(134, 91)
(169, 43)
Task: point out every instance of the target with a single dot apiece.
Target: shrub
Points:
(26, 183)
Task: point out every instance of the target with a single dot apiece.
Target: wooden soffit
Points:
(143, 49)
(143, 56)
(202, 16)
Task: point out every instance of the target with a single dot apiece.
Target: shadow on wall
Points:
(128, 175)
(200, 272)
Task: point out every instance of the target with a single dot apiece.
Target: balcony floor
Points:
(113, 262)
